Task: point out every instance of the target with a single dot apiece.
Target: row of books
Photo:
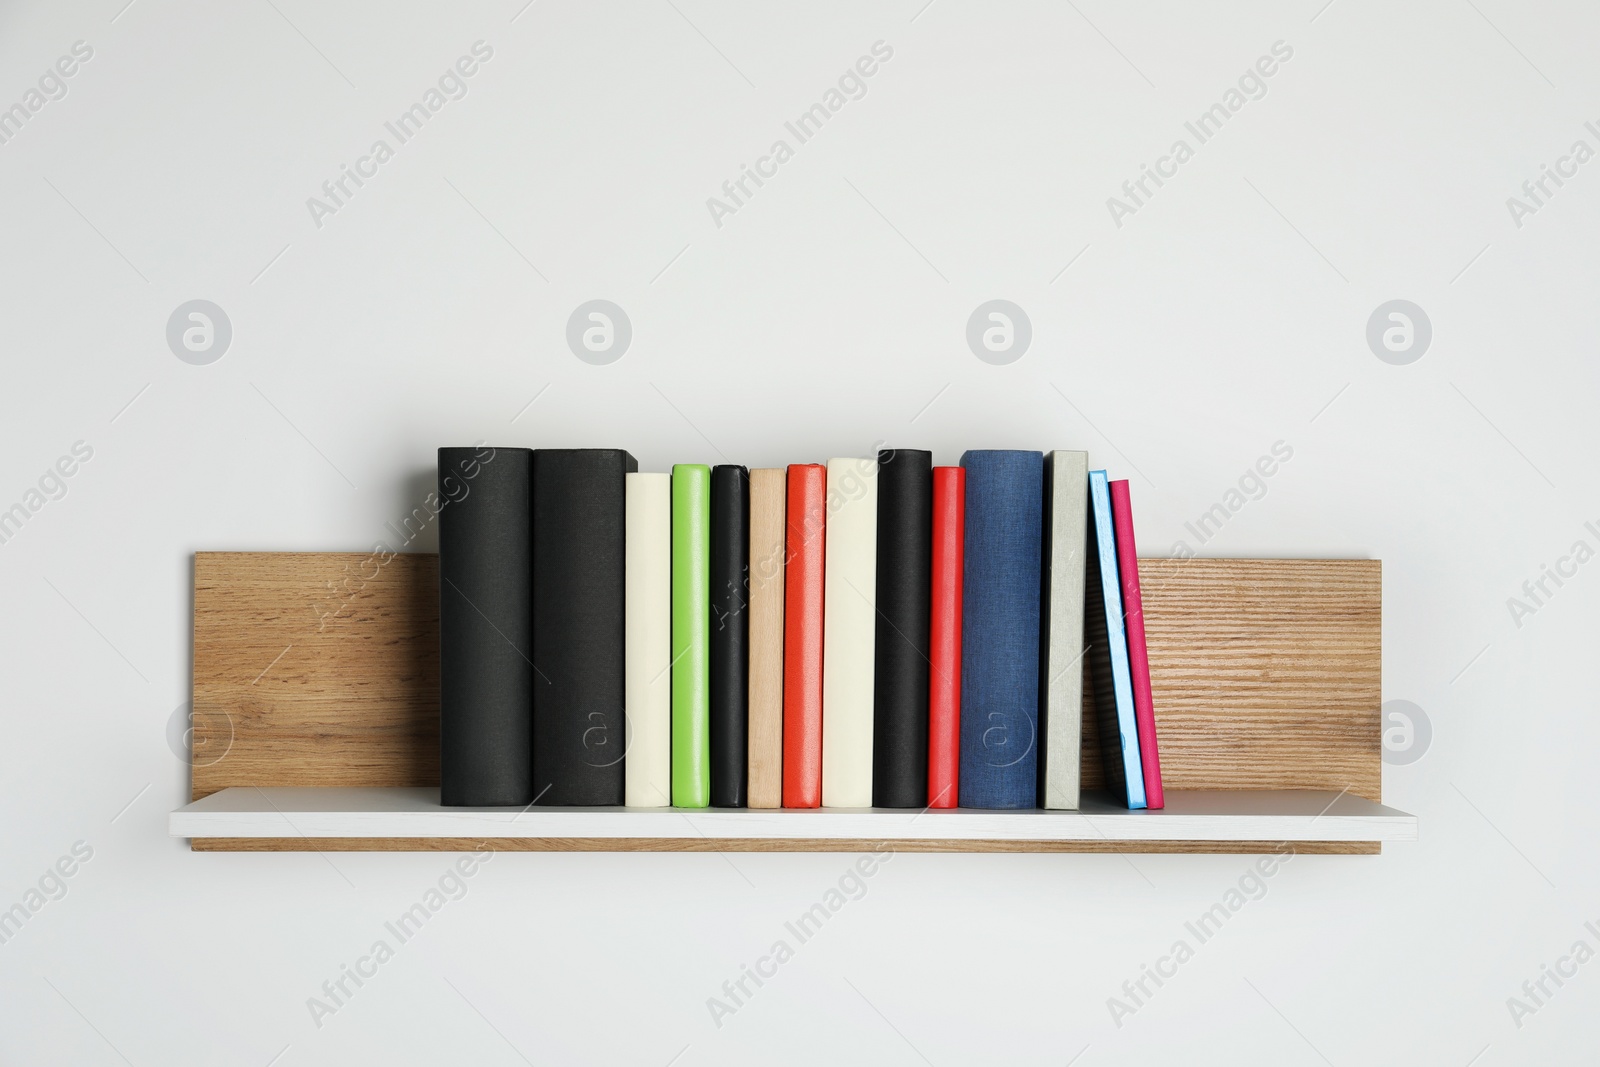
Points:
(865, 633)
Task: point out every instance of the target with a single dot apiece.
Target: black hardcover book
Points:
(485, 627)
(730, 635)
(579, 533)
(900, 669)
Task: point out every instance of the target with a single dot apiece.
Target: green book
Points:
(691, 635)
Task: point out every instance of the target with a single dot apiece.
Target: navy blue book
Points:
(1107, 648)
(1000, 629)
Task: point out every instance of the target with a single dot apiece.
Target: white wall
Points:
(1228, 313)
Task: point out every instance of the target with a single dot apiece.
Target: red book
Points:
(1144, 707)
(802, 636)
(944, 637)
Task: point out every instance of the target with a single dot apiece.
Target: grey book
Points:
(1066, 510)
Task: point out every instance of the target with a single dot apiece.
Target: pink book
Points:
(1144, 707)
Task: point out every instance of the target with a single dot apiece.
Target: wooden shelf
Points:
(316, 719)
(296, 819)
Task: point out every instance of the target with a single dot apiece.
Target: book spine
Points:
(1144, 707)
(485, 628)
(806, 534)
(1066, 509)
(730, 628)
(849, 632)
(1000, 629)
(579, 613)
(647, 770)
(900, 668)
(768, 490)
(691, 635)
(1107, 646)
(944, 637)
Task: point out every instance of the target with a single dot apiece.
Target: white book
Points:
(647, 637)
(1066, 511)
(849, 627)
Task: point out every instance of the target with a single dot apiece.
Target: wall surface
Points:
(1179, 331)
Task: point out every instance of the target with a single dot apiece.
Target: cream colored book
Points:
(849, 628)
(647, 615)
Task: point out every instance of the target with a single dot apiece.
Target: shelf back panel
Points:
(322, 669)
(315, 668)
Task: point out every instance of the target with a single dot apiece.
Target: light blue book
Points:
(1108, 653)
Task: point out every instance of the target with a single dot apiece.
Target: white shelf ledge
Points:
(1251, 815)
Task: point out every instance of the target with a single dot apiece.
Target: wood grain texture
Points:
(322, 669)
(768, 492)
(1266, 674)
(316, 668)
(761, 844)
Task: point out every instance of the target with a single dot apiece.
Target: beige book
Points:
(768, 492)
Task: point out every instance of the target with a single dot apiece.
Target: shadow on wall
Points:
(414, 525)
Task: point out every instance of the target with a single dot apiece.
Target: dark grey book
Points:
(730, 635)
(579, 552)
(900, 669)
(486, 676)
